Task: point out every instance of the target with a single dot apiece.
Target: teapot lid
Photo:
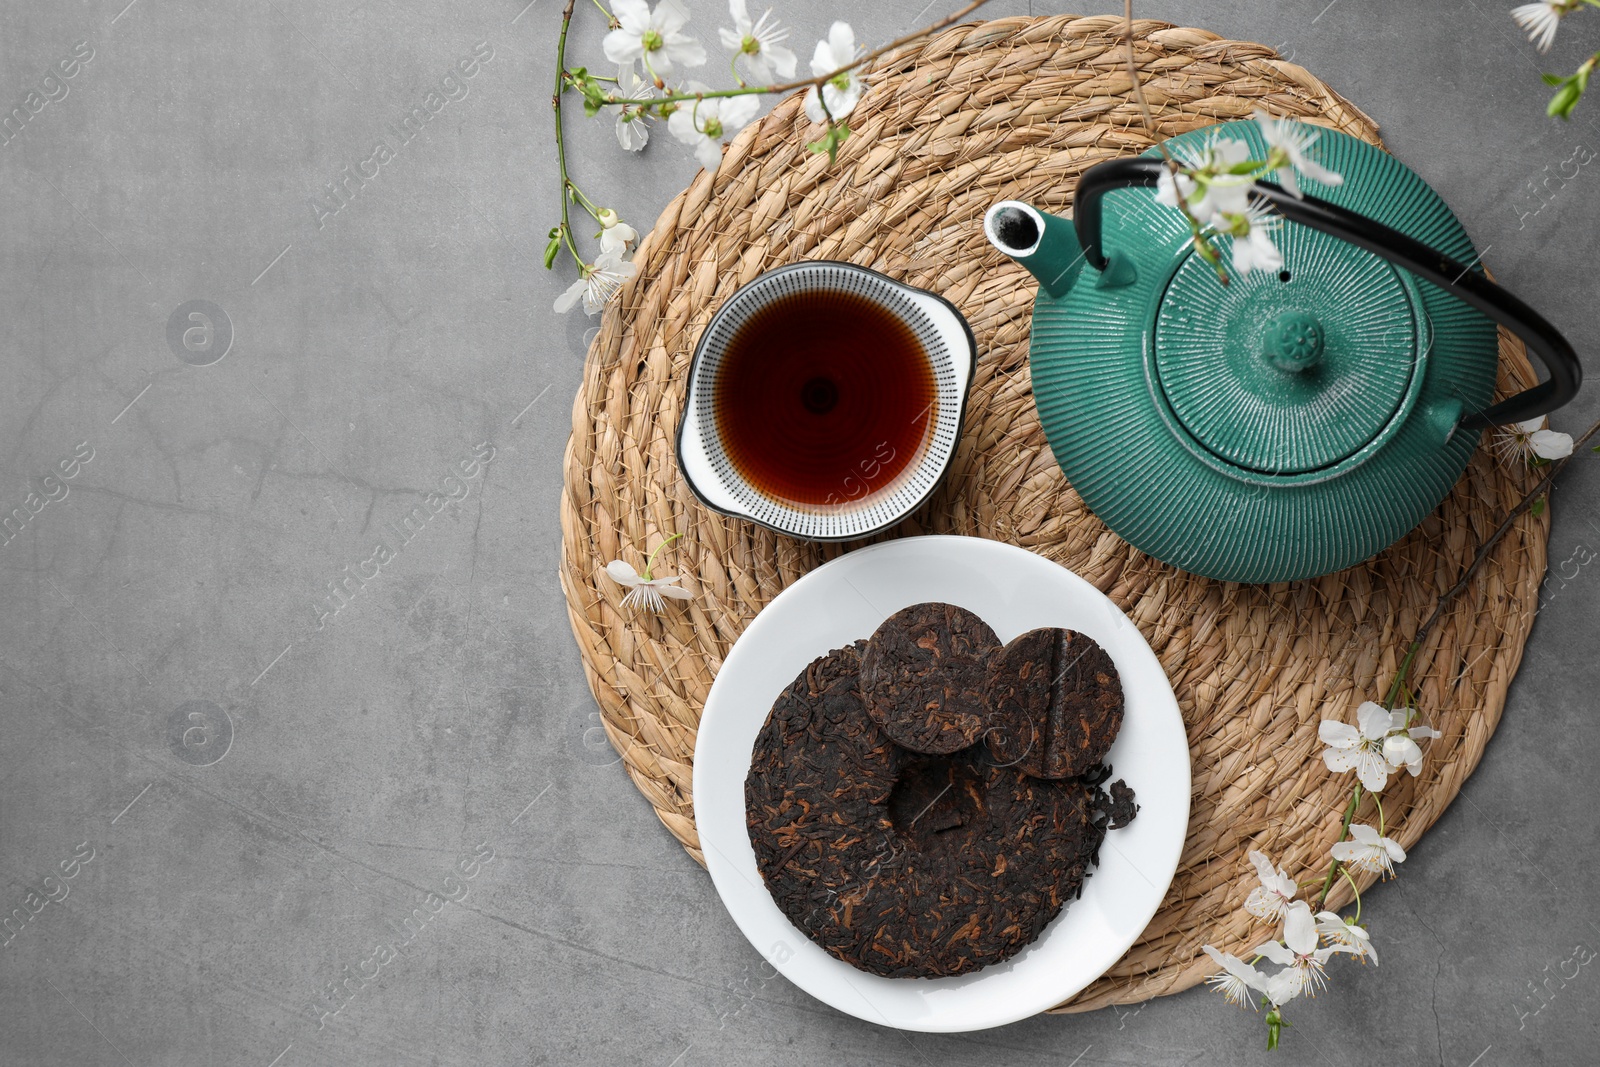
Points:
(1294, 371)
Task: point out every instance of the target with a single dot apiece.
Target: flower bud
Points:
(1275, 1025)
(1400, 751)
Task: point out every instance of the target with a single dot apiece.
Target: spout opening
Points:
(1014, 228)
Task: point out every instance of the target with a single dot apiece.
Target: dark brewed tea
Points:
(824, 398)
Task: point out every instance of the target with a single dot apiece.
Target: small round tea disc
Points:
(924, 677)
(1055, 703)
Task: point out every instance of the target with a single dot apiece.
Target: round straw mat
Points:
(1018, 107)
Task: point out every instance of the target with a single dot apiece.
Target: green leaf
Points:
(552, 249)
(1537, 507)
(1552, 79)
(831, 139)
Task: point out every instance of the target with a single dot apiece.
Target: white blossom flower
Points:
(1523, 442)
(1367, 851)
(1302, 961)
(842, 92)
(1269, 899)
(645, 591)
(1383, 743)
(704, 123)
(633, 124)
(1293, 139)
(1207, 188)
(615, 235)
(1539, 21)
(597, 283)
(1400, 748)
(1338, 934)
(760, 44)
(1361, 750)
(652, 36)
(1223, 193)
(1237, 980)
(1253, 248)
(1173, 188)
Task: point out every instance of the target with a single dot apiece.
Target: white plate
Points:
(1014, 591)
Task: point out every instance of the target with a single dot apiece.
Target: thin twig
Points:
(1201, 244)
(561, 147)
(1539, 490)
(1344, 828)
(1138, 89)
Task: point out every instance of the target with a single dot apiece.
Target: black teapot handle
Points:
(1566, 374)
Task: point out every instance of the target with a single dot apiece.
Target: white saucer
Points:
(1014, 591)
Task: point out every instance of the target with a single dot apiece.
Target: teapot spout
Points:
(1046, 244)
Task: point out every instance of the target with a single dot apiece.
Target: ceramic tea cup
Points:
(825, 401)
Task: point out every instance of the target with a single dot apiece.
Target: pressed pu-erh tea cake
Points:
(935, 858)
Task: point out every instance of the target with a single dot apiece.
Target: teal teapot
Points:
(1288, 424)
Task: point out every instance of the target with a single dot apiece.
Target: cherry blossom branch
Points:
(1540, 488)
(800, 83)
(597, 97)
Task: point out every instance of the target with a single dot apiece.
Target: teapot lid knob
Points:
(1292, 341)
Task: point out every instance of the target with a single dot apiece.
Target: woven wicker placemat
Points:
(1018, 107)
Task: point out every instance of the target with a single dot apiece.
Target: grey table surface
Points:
(250, 793)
